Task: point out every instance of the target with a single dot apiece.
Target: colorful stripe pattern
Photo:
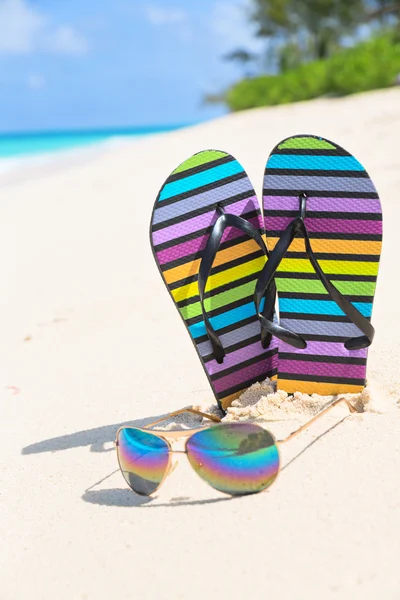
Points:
(344, 220)
(183, 218)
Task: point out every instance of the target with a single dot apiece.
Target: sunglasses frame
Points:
(168, 436)
(174, 435)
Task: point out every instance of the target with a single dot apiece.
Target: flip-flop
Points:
(326, 276)
(207, 236)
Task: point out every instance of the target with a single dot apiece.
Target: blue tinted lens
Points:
(143, 459)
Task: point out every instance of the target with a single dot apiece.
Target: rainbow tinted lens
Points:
(143, 459)
(236, 458)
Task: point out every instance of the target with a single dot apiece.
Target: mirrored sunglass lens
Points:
(235, 458)
(143, 459)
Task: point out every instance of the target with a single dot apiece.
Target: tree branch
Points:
(385, 10)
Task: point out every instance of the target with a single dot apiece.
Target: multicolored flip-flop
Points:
(207, 236)
(324, 224)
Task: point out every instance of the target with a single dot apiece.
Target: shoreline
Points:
(103, 140)
(15, 168)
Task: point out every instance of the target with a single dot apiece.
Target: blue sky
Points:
(98, 63)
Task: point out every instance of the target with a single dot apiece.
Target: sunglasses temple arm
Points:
(185, 410)
(318, 416)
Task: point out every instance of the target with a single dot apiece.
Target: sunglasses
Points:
(234, 458)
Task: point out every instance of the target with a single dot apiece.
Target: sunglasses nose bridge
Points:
(172, 467)
(177, 445)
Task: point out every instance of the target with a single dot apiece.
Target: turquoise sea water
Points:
(28, 144)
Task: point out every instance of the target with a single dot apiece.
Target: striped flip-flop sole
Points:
(344, 220)
(182, 220)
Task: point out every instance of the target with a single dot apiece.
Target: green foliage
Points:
(370, 65)
(385, 11)
(318, 25)
(289, 57)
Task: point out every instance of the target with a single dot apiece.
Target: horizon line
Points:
(121, 129)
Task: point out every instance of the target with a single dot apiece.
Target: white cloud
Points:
(35, 81)
(25, 30)
(165, 16)
(20, 27)
(65, 40)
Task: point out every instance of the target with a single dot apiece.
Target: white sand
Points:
(90, 340)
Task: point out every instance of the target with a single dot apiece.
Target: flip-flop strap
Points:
(228, 220)
(268, 274)
(361, 322)
(264, 280)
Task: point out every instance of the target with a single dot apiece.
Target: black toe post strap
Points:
(228, 220)
(267, 274)
(358, 319)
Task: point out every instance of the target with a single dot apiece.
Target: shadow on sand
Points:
(94, 438)
(127, 498)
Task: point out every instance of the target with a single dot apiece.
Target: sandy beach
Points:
(86, 328)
